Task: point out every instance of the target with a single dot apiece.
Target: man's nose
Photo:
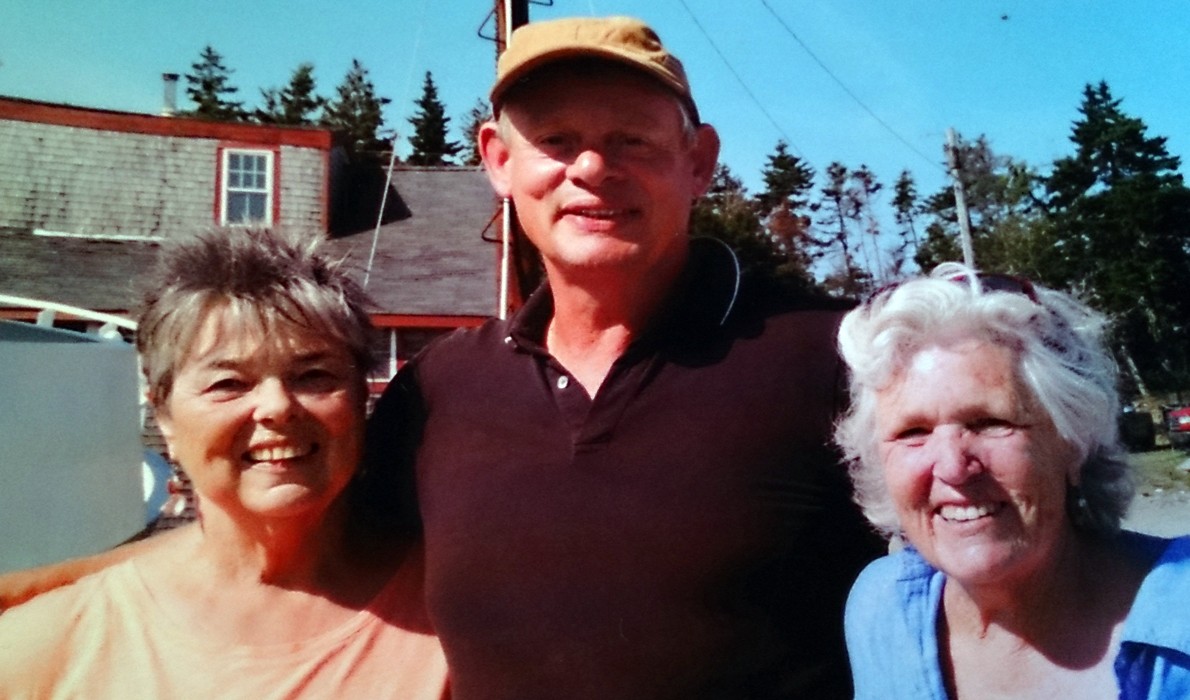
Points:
(591, 166)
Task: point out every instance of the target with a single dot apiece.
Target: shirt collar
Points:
(704, 296)
(1158, 616)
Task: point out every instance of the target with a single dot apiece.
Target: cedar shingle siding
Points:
(114, 179)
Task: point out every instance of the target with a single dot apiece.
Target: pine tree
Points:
(726, 213)
(1120, 218)
(1008, 232)
(479, 114)
(357, 112)
(294, 104)
(430, 124)
(905, 208)
(209, 88)
(787, 180)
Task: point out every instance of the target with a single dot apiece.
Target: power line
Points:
(846, 89)
(740, 80)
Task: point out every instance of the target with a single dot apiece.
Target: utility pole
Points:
(520, 268)
(960, 198)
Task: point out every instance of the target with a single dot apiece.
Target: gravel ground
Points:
(1161, 510)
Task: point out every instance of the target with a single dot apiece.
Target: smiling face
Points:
(976, 469)
(600, 168)
(265, 427)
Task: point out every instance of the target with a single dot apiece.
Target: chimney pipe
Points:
(171, 94)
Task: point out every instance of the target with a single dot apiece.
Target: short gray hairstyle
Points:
(267, 279)
(1061, 358)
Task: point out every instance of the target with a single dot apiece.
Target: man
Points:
(627, 490)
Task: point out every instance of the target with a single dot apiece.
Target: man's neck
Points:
(596, 318)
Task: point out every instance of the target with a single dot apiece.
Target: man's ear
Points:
(495, 154)
(704, 156)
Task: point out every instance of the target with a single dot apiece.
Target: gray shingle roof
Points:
(433, 261)
(90, 273)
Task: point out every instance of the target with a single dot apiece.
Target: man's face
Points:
(600, 169)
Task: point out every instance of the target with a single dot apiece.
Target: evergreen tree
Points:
(1008, 231)
(294, 104)
(905, 209)
(727, 213)
(209, 88)
(430, 123)
(863, 189)
(357, 112)
(1120, 218)
(839, 210)
(787, 180)
(474, 119)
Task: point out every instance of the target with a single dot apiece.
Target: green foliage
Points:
(430, 123)
(480, 113)
(1120, 225)
(849, 232)
(294, 104)
(1008, 229)
(727, 213)
(357, 112)
(209, 88)
(787, 180)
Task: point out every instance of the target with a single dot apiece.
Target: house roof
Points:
(433, 259)
(92, 273)
(18, 109)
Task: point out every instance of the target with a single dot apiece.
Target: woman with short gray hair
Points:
(982, 431)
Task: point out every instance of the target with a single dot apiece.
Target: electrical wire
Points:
(841, 84)
(740, 80)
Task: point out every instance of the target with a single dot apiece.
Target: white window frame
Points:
(226, 190)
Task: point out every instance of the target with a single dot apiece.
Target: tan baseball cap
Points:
(625, 40)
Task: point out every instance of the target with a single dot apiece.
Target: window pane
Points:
(256, 205)
(237, 208)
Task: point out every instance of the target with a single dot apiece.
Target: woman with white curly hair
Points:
(982, 431)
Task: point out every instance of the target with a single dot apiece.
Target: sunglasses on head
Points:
(988, 282)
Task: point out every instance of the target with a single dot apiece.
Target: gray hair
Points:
(266, 279)
(1061, 359)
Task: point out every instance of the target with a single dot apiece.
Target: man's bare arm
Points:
(16, 587)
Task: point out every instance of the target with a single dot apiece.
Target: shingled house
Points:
(87, 196)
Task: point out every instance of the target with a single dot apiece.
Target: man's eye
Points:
(552, 142)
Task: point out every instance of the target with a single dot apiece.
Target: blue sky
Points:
(812, 73)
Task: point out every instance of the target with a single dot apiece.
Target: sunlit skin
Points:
(977, 471)
(601, 172)
(265, 428)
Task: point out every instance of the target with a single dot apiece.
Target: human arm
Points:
(17, 587)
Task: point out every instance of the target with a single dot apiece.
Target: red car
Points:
(1178, 420)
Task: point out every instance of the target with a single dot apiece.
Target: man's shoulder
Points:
(463, 342)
